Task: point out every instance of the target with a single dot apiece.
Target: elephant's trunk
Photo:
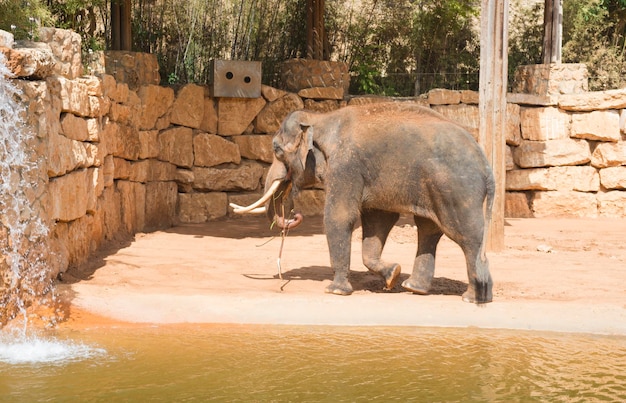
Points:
(279, 207)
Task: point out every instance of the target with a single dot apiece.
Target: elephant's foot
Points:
(482, 297)
(416, 286)
(339, 288)
(391, 276)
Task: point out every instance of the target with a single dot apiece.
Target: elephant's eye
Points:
(278, 151)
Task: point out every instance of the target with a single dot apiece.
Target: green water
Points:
(330, 364)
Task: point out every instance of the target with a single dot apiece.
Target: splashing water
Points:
(33, 349)
(24, 277)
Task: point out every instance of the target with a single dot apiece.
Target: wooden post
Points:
(121, 36)
(315, 31)
(492, 104)
(552, 31)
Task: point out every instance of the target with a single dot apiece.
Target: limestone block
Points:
(443, 97)
(108, 171)
(580, 178)
(188, 107)
(134, 68)
(176, 146)
(210, 150)
(255, 147)
(64, 155)
(109, 87)
(43, 110)
(202, 207)
(310, 202)
(469, 97)
(612, 204)
(270, 118)
(98, 106)
(93, 129)
(35, 62)
(534, 154)
(66, 48)
(209, 117)
(94, 155)
(111, 214)
(321, 93)
(513, 125)
(236, 114)
(73, 95)
(149, 144)
(297, 74)
(551, 79)
(79, 245)
(121, 168)
(108, 135)
(127, 143)
(95, 188)
(184, 178)
(540, 124)
(68, 195)
(622, 121)
(134, 103)
(6, 39)
(230, 178)
(508, 158)
(132, 196)
(516, 205)
(271, 94)
(121, 92)
(155, 101)
(94, 85)
(463, 114)
(609, 155)
(591, 101)
(564, 204)
(74, 127)
(321, 106)
(161, 200)
(161, 171)
(613, 177)
(596, 125)
(121, 113)
(138, 171)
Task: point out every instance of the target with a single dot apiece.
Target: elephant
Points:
(377, 162)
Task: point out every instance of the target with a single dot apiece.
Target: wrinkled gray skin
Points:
(379, 161)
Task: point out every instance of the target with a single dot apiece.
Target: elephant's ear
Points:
(306, 154)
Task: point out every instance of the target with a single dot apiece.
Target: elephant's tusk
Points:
(263, 199)
(239, 209)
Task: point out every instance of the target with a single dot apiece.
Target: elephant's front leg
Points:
(339, 220)
(376, 227)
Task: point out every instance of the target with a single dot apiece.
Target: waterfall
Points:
(24, 275)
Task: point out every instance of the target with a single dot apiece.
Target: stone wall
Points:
(122, 159)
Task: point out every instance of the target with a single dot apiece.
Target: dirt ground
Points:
(564, 275)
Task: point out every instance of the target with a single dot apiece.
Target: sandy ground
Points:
(565, 275)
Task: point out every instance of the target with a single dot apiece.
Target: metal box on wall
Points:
(236, 78)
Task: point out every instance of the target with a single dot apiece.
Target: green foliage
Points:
(596, 36)
(185, 38)
(525, 34)
(23, 18)
(406, 47)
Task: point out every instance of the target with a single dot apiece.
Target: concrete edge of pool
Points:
(355, 310)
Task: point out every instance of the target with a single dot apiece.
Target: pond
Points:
(312, 363)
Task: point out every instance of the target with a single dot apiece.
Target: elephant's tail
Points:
(483, 283)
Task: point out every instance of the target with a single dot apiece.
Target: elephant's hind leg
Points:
(376, 227)
(428, 236)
